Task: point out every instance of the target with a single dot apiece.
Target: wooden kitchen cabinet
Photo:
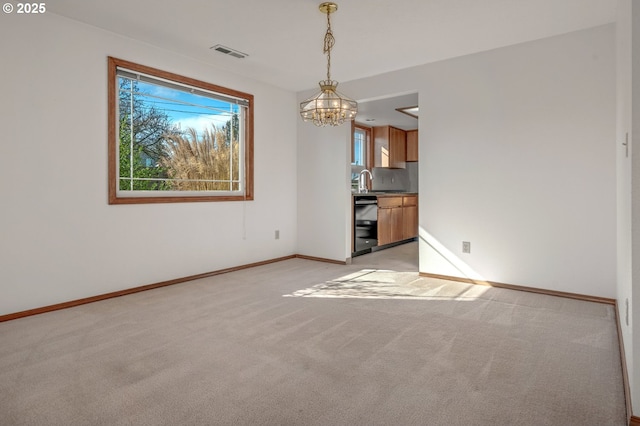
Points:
(412, 145)
(397, 218)
(409, 216)
(390, 147)
(390, 225)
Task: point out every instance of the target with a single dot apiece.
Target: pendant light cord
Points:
(329, 41)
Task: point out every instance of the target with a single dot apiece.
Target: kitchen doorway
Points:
(384, 165)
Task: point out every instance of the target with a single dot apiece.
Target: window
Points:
(359, 147)
(176, 139)
(361, 152)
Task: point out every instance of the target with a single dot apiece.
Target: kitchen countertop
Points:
(383, 193)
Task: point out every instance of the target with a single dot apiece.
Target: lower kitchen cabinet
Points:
(397, 218)
(389, 225)
(409, 217)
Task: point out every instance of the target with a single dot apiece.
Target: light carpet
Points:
(231, 350)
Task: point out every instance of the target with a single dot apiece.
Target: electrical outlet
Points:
(466, 247)
(277, 234)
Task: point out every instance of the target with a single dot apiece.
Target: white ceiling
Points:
(382, 112)
(284, 37)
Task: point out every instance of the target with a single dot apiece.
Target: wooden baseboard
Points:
(634, 421)
(623, 363)
(124, 292)
(584, 297)
(321, 259)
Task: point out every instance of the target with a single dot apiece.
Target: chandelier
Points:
(329, 107)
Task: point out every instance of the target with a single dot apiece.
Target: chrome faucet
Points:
(362, 183)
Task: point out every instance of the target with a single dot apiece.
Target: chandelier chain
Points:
(329, 41)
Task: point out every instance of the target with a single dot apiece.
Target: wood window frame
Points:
(113, 174)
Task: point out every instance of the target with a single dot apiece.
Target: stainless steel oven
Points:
(365, 223)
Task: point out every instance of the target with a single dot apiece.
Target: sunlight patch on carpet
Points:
(386, 284)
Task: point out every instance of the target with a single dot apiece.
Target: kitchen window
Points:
(176, 139)
(361, 152)
(359, 146)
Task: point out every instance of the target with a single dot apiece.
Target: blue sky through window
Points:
(359, 147)
(188, 110)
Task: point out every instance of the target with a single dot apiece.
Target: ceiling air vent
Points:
(229, 51)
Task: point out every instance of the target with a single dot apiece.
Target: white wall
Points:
(519, 160)
(623, 125)
(60, 240)
(516, 156)
(324, 192)
(628, 181)
(634, 105)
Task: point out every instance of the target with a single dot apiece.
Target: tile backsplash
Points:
(385, 179)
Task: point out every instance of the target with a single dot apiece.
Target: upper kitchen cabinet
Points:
(390, 147)
(412, 145)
